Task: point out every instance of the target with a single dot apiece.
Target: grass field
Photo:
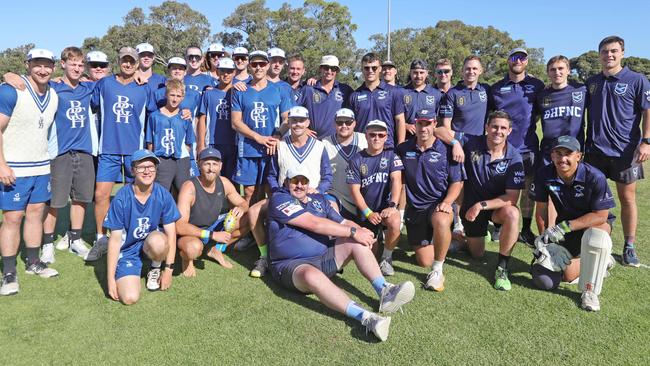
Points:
(225, 317)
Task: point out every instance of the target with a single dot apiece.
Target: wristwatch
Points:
(353, 230)
(483, 205)
(392, 204)
(169, 265)
(646, 140)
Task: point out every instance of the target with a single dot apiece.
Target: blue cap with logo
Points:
(426, 114)
(567, 142)
(210, 153)
(143, 154)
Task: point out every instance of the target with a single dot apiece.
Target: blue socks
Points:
(354, 311)
(378, 284)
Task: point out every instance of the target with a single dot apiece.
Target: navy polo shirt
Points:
(587, 193)
(562, 112)
(428, 173)
(416, 100)
(616, 104)
(382, 103)
(467, 108)
(322, 106)
(487, 179)
(372, 173)
(518, 100)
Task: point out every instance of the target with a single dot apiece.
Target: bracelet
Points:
(367, 212)
(205, 234)
(454, 142)
(565, 226)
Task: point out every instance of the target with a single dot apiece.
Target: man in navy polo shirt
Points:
(375, 99)
(324, 98)
(295, 72)
(419, 95)
(444, 74)
(619, 99)
(515, 94)
(375, 179)
(582, 199)
(433, 182)
(465, 107)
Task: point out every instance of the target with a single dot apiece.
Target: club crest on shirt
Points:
(316, 97)
(577, 97)
(647, 95)
(383, 163)
(316, 204)
(338, 96)
(579, 190)
(475, 156)
(434, 157)
(430, 99)
(482, 95)
(461, 100)
(382, 94)
(592, 88)
(502, 167)
(546, 102)
(364, 170)
(620, 88)
(408, 99)
(529, 89)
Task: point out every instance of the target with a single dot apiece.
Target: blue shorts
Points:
(109, 168)
(283, 271)
(252, 171)
(128, 264)
(194, 168)
(24, 191)
(228, 159)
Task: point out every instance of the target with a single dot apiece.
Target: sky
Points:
(569, 27)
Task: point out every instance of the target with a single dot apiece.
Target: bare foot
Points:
(188, 269)
(218, 256)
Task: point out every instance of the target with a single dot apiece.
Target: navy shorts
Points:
(418, 225)
(109, 168)
(252, 171)
(24, 191)
(478, 227)
(621, 170)
(283, 271)
(228, 159)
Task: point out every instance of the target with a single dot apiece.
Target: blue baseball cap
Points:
(143, 154)
(426, 114)
(567, 142)
(209, 153)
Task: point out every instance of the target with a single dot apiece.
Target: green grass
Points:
(225, 317)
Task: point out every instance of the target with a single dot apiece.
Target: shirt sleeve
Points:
(331, 212)
(94, 99)
(396, 165)
(346, 91)
(190, 138)
(236, 101)
(8, 98)
(447, 105)
(601, 198)
(170, 213)
(116, 212)
(283, 207)
(398, 101)
(325, 173)
(352, 173)
(456, 172)
(148, 131)
(286, 100)
(203, 105)
(643, 94)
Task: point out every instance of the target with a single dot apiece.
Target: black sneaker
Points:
(527, 237)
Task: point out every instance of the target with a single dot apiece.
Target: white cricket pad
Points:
(595, 249)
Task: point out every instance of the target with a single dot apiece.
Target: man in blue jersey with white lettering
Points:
(98, 65)
(375, 99)
(122, 103)
(240, 57)
(145, 74)
(433, 182)
(325, 98)
(142, 219)
(195, 78)
(419, 95)
(515, 94)
(619, 102)
(255, 115)
(303, 258)
(465, 108)
(375, 179)
(25, 116)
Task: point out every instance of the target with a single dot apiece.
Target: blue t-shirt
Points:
(562, 112)
(74, 127)
(518, 100)
(199, 83)
(383, 103)
(191, 101)
(428, 173)
(215, 105)
(261, 112)
(587, 193)
(122, 109)
(288, 242)
(467, 108)
(372, 173)
(322, 106)
(487, 178)
(428, 98)
(137, 220)
(169, 135)
(156, 81)
(301, 153)
(616, 105)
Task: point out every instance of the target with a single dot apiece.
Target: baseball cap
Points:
(567, 142)
(298, 112)
(240, 51)
(425, 114)
(127, 51)
(518, 50)
(376, 123)
(297, 170)
(209, 153)
(330, 60)
(226, 63)
(143, 154)
(97, 56)
(344, 113)
(36, 53)
(216, 47)
(144, 47)
(388, 63)
(276, 52)
(419, 64)
(176, 61)
(258, 54)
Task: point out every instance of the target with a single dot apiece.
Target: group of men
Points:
(327, 172)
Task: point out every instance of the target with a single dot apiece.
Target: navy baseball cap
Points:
(425, 114)
(209, 153)
(567, 142)
(143, 154)
(419, 64)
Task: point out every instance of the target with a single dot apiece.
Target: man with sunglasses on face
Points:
(145, 73)
(419, 95)
(376, 99)
(433, 182)
(325, 98)
(375, 179)
(211, 60)
(195, 79)
(444, 73)
(240, 56)
(515, 94)
(97, 65)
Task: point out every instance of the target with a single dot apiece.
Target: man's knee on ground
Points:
(424, 256)
(130, 298)
(476, 247)
(545, 279)
(510, 215)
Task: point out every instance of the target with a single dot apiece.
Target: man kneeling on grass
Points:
(303, 258)
(134, 217)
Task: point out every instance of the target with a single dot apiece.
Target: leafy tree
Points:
(638, 64)
(13, 59)
(585, 65)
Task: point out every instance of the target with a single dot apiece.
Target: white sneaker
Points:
(590, 301)
(39, 268)
(63, 243)
(9, 285)
(378, 325)
(79, 247)
(47, 253)
(153, 279)
(394, 296)
(435, 281)
(458, 227)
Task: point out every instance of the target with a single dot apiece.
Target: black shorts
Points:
(283, 271)
(478, 227)
(530, 160)
(72, 177)
(418, 225)
(621, 170)
(171, 170)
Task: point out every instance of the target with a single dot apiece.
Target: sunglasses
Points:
(193, 57)
(380, 135)
(97, 65)
(518, 57)
(215, 54)
(369, 68)
(443, 71)
(257, 64)
(142, 169)
(330, 68)
(347, 122)
(299, 179)
(423, 121)
(240, 58)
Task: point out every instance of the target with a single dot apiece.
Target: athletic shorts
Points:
(109, 168)
(228, 159)
(478, 227)
(622, 170)
(194, 168)
(418, 225)
(73, 176)
(24, 191)
(216, 226)
(283, 271)
(129, 265)
(171, 170)
(530, 160)
(252, 171)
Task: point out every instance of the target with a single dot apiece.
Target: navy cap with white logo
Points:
(567, 142)
(210, 153)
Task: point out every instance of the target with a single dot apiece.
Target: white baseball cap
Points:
(261, 54)
(377, 123)
(144, 47)
(216, 47)
(276, 52)
(96, 56)
(226, 63)
(297, 170)
(36, 53)
(240, 51)
(177, 61)
(298, 112)
(344, 113)
(330, 60)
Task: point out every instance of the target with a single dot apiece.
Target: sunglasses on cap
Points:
(299, 179)
(369, 68)
(257, 64)
(518, 57)
(341, 122)
(443, 71)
